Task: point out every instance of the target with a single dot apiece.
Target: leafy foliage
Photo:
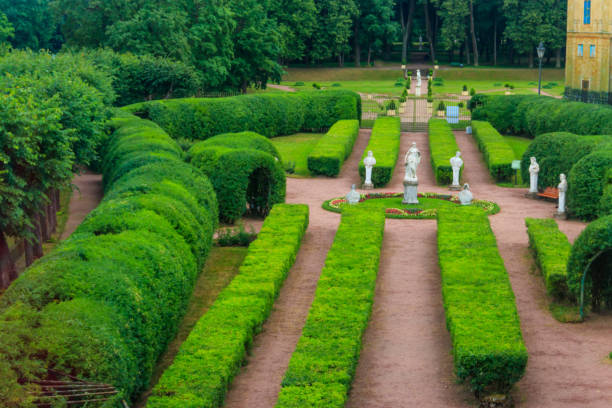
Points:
(496, 151)
(443, 147)
(481, 314)
(323, 364)
(385, 144)
(586, 182)
(552, 250)
(334, 148)
(214, 351)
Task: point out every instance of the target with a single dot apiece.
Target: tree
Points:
(296, 21)
(406, 15)
(335, 23)
(454, 27)
(373, 25)
(6, 28)
(33, 23)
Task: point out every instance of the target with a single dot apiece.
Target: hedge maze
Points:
(385, 144)
(443, 147)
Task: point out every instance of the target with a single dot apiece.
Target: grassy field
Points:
(371, 87)
(424, 204)
(502, 74)
(497, 87)
(519, 145)
(295, 149)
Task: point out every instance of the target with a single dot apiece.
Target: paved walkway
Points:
(85, 198)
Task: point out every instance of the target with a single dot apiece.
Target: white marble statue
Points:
(466, 196)
(369, 162)
(353, 197)
(456, 163)
(534, 169)
(418, 78)
(412, 161)
(562, 190)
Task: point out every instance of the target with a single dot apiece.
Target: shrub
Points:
(385, 144)
(481, 314)
(299, 83)
(441, 106)
(323, 364)
(245, 171)
(334, 148)
(316, 86)
(552, 250)
(595, 239)
(336, 85)
(443, 147)
(465, 88)
(496, 151)
(269, 115)
(586, 183)
(216, 348)
(472, 92)
(605, 204)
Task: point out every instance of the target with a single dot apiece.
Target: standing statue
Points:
(412, 161)
(456, 163)
(353, 197)
(466, 196)
(418, 78)
(562, 190)
(534, 169)
(369, 162)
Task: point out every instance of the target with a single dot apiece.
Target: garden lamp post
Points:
(541, 50)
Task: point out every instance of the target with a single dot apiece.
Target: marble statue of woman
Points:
(466, 196)
(418, 78)
(412, 161)
(456, 163)
(353, 197)
(369, 162)
(562, 190)
(534, 169)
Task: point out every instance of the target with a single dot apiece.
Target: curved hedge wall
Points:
(245, 170)
(267, 114)
(534, 115)
(596, 237)
(385, 144)
(586, 182)
(105, 303)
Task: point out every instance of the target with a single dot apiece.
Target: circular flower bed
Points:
(411, 211)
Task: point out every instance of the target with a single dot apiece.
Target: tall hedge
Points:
(481, 314)
(216, 348)
(443, 147)
(334, 148)
(245, 170)
(498, 154)
(586, 183)
(105, 303)
(534, 115)
(605, 204)
(385, 144)
(267, 114)
(323, 364)
(552, 249)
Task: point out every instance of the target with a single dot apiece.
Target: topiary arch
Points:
(594, 247)
(245, 170)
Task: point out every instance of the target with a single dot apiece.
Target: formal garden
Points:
(199, 209)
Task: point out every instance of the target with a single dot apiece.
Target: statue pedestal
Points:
(454, 187)
(367, 186)
(410, 191)
(533, 196)
(560, 216)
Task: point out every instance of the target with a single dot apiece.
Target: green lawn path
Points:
(295, 149)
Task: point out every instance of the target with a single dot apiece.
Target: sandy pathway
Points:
(85, 198)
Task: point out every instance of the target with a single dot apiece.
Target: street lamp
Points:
(541, 50)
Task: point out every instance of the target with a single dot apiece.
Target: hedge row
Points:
(535, 115)
(552, 250)
(498, 154)
(269, 115)
(443, 147)
(385, 144)
(605, 204)
(481, 314)
(323, 364)
(334, 148)
(215, 349)
(586, 182)
(245, 170)
(104, 305)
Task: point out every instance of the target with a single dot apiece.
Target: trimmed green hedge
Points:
(586, 182)
(105, 303)
(534, 115)
(216, 348)
(498, 154)
(605, 204)
(552, 250)
(385, 144)
(334, 148)
(323, 364)
(267, 114)
(597, 237)
(245, 170)
(557, 153)
(481, 314)
(443, 147)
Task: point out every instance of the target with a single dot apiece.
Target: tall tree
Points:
(33, 23)
(373, 25)
(454, 15)
(406, 16)
(296, 21)
(334, 23)
(6, 28)
(429, 29)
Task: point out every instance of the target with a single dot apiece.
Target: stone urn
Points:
(436, 67)
(391, 113)
(465, 93)
(441, 114)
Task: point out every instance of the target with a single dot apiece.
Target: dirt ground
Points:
(85, 198)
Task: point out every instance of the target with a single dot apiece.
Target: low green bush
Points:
(586, 182)
(605, 204)
(334, 148)
(551, 249)
(245, 170)
(385, 144)
(481, 314)
(498, 154)
(216, 348)
(323, 364)
(595, 240)
(443, 147)
(266, 114)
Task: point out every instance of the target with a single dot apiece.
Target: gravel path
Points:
(85, 198)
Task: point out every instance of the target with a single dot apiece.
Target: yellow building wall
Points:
(598, 69)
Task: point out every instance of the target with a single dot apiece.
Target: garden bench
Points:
(550, 193)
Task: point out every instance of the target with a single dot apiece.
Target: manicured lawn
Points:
(519, 145)
(496, 87)
(424, 204)
(372, 87)
(296, 149)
